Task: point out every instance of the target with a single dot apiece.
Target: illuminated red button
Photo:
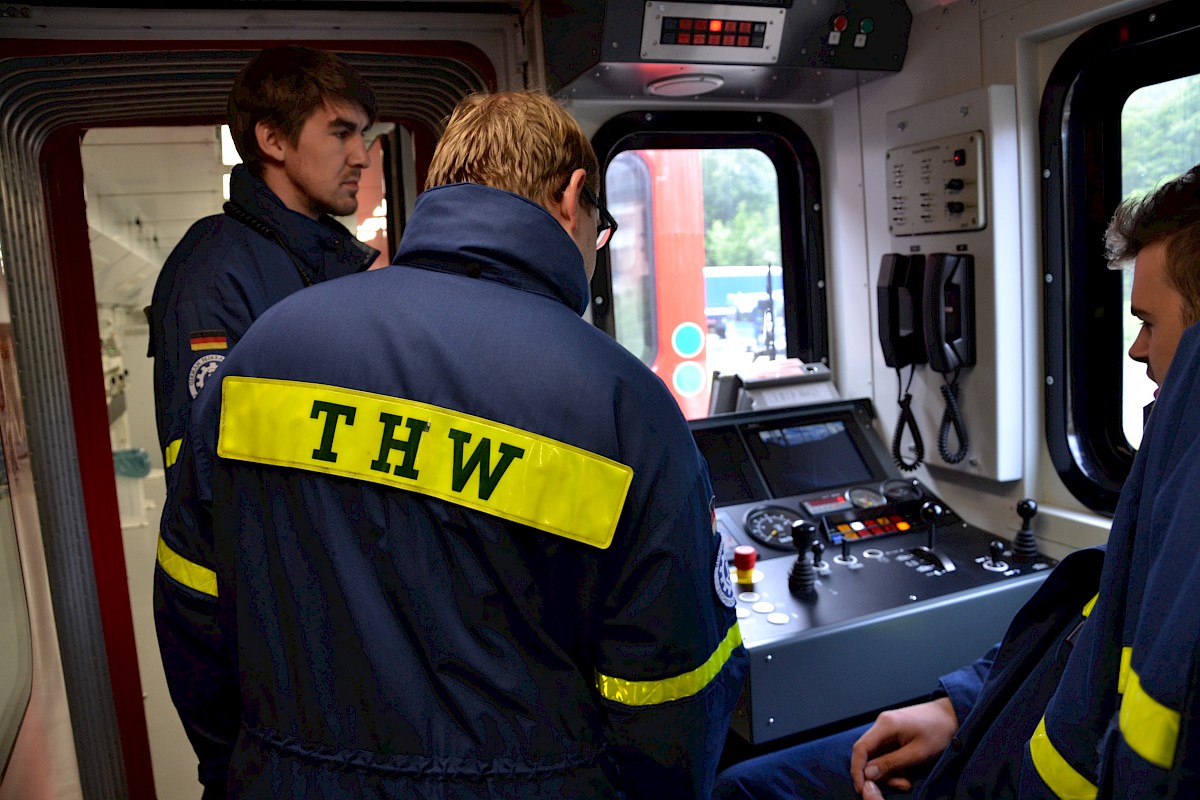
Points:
(714, 26)
(840, 23)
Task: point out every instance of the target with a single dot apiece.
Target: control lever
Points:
(1024, 545)
(802, 579)
(931, 512)
(817, 549)
(993, 563)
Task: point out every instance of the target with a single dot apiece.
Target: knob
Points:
(1024, 545)
(803, 532)
(995, 551)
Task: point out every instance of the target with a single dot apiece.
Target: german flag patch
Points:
(209, 340)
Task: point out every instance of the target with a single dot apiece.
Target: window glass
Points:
(696, 264)
(1160, 139)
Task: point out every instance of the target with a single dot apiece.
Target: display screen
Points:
(733, 476)
(807, 458)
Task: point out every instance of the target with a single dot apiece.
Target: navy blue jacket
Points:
(419, 468)
(1100, 702)
(221, 277)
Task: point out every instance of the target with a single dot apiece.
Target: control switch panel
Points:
(937, 186)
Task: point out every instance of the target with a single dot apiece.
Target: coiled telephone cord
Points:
(909, 421)
(952, 417)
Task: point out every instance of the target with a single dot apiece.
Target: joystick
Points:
(1024, 545)
(931, 512)
(993, 562)
(802, 578)
(817, 549)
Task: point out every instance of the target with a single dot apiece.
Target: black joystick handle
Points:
(931, 512)
(1025, 546)
(817, 549)
(802, 580)
(995, 551)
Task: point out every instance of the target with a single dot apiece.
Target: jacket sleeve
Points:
(200, 310)
(964, 685)
(197, 651)
(671, 663)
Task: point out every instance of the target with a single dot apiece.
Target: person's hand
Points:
(900, 739)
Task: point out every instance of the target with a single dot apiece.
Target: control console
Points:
(846, 573)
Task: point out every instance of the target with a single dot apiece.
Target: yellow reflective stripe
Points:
(1126, 669)
(172, 452)
(649, 693)
(1090, 605)
(456, 457)
(1150, 728)
(189, 573)
(1056, 773)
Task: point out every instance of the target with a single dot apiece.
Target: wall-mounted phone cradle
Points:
(949, 284)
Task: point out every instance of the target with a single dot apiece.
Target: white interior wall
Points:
(954, 48)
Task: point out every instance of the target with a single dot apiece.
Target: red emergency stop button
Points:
(840, 23)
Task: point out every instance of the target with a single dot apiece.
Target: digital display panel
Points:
(713, 32)
(807, 458)
(733, 476)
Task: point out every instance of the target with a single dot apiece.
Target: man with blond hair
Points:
(463, 540)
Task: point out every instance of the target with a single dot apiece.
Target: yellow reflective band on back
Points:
(1126, 669)
(649, 693)
(1150, 729)
(172, 452)
(1090, 605)
(189, 573)
(1056, 773)
(462, 459)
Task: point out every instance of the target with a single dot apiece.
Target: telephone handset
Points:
(927, 316)
(902, 339)
(901, 332)
(949, 316)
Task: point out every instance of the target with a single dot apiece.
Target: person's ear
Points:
(270, 143)
(569, 210)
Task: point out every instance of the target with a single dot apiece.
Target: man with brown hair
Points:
(461, 539)
(297, 116)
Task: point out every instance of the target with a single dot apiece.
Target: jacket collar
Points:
(312, 239)
(495, 235)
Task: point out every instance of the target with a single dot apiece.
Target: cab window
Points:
(703, 276)
(1120, 115)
